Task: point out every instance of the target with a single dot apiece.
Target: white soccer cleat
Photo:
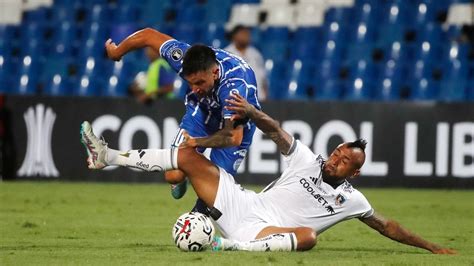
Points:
(96, 148)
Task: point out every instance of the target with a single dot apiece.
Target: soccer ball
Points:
(193, 231)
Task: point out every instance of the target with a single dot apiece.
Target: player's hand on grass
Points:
(112, 51)
(189, 142)
(240, 106)
(444, 251)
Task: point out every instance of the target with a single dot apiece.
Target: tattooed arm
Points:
(226, 137)
(264, 122)
(395, 231)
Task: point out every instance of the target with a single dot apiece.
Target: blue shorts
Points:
(228, 158)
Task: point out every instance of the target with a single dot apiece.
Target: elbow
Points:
(149, 30)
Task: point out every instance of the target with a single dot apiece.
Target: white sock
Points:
(151, 160)
(275, 242)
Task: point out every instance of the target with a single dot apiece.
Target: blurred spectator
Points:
(241, 45)
(157, 82)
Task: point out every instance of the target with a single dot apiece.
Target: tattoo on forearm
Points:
(272, 128)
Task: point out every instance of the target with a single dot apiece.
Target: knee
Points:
(306, 238)
(174, 176)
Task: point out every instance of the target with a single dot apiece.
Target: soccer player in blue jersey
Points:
(213, 76)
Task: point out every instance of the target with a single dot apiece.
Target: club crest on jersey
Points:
(177, 54)
(234, 91)
(340, 200)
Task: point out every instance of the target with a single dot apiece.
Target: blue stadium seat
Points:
(454, 32)
(120, 31)
(65, 12)
(215, 35)
(304, 43)
(187, 33)
(361, 33)
(339, 14)
(426, 51)
(27, 76)
(299, 80)
(58, 85)
(367, 12)
(153, 12)
(360, 84)
(431, 32)
(453, 90)
(87, 86)
(276, 34)
(397, 51)
(90, 66)
(191, 14)
(58, 65)
(334, 31)
(394, 25)
(276, 77)
(119, 80)
(420, 69)
(6, 69)
(470, 90)
(456, 51)
(325, 70)
(358, 89)
(275, 44)
(330, 50)
(64, 38)
(37, 15)
(391, 77)
(424, 89)
(425, 12)
(455, 70)
(388, 90)
(32, 31)
(360, 51)
(217, 11)
(97, 13)
(127, 13)
(328, 90)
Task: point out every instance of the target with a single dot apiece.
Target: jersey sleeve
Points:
(300, 155)
(173, 52)
(362, 207)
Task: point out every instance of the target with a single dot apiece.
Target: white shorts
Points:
(238, 207)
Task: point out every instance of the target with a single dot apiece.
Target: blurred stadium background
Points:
(313, 49)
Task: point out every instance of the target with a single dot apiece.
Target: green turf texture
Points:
(49, 223)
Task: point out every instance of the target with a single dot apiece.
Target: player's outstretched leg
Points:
(288, 239)
(100, 156)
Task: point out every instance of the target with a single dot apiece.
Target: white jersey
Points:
(300, 197)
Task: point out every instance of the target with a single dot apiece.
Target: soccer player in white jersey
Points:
(309, 197)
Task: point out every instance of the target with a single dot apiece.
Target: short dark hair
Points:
(360, 143)
(236, 30)
(198, 58)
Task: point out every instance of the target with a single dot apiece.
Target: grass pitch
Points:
(109, 224)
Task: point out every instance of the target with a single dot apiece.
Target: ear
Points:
(215, 72)
(356, 173)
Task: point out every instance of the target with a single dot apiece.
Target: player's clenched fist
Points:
(111, 49)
